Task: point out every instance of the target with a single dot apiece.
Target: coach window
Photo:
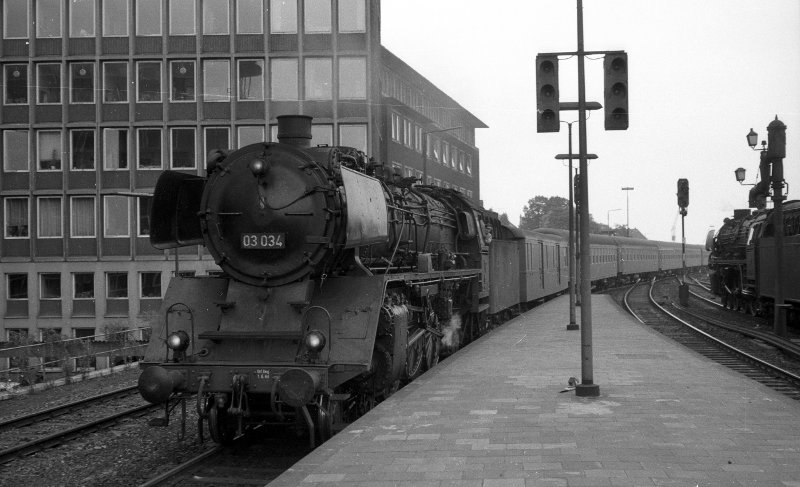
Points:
(148, 145)
(81, 18)
(48, 18)
(182, 142)
(249, 17)
(115, 149)
(15, 19)
(82, 150)
(216, 81)
(81, 76)
(318, 79)
(148, 17)
(354, 135)
(215, 17)
(82, 217)
(317, 16)
(283, 16)
(48, 83)
(251, 79)
(16, 81)
(352, 78)
(352, 16)
(49, 150)
(181, 17)
(115, 18)
(16, 218)
(116, 216)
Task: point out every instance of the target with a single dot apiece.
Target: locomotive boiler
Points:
(340, 281)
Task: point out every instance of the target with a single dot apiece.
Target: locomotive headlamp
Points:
(315, 340)
(259, 167)
(178, 341)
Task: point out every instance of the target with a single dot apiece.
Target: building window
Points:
(83, 285)
(143, 211)
(115, 82)
(115, 216)
(49, 150)
(181, 17)
(148, 81)
(182, 80)
(408, 135)
(215, 17)
(437, 150)
(81, 18)
(469, 164)
(251, 79)
(353, 136)
(48, 83)
(352, 16)
(216, 81)
(116, 285)
(182, 144)
(50, 286)
(50, 217)
(284, 84)
(322, 135)
(318, 79)
(149, 148)
(217, 138)
(81, 76)
(148, 17)
(395, 127)
(82, 216)
(250, 135)
(461, 161)
(48, 18)
(15, 150)
(317, 16)
(445, 153)
(82, 149)
(418, 138)
(17, 286)
(17, 217)
(352, 77)
(151, 284)
(15, 19)
(16, 81)
(283, 16)
(250, 17)
(115, 149)
(115, 18)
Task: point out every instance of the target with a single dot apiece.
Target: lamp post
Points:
(608, 218)
(772, 154)
(425, 150)
(627, 190)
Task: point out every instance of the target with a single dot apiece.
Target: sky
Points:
(701, 74)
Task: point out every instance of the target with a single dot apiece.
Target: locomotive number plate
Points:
(263, 240)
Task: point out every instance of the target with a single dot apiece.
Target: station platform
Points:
(492, 415)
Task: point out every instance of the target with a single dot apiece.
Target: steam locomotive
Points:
(742, 264)
(341, 281)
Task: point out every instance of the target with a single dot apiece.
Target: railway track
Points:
(654, 308)
(25, 435)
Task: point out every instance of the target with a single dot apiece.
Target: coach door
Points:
(541, 263)
(558, 265)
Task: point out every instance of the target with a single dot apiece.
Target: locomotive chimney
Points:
(295, 130)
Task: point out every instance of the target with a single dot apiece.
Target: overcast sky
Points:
(701, 74)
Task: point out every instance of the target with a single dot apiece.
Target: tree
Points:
(544, 212)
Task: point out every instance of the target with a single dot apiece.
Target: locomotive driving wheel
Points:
(414, 355)
(322, 416)
(221, 426)
(432, 345)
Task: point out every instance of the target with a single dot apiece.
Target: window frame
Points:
(317, 8)
(141, 84)
(42, 22)
(25, 84)
(172, 140)
(59, 234)
(173, 64)
(7, 219)
(214, 97)
(17, 22)
(110, 13)
(152, 275)
(106, 148)
(81, 15)
(75, 286)
(283, 93)
(312, 85)
(206, 147)
(9, 145)
(108, 276)
(192, 16)
(72, 80)
(40, 83)
(73, 220)
(142, 203)
(139, 131)
(260, 94)
(39, 159)
(141, 7)
(282, 7)
(42, 276)
(73, 151)
(226, 25)
(106, 213)
(247, 14)
(126, 82)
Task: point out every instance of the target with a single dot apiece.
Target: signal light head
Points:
(178, 341)
(615, 82)
(315, 341)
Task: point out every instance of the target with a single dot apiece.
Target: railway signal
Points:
(615, 83)
(547, 106)
(683, 194)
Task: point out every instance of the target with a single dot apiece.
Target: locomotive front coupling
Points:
(156, 384)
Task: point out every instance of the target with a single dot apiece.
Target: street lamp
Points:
(608, 218)
(772, 154)
(627, 190)
(425, 150)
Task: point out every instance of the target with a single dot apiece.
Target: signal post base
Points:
(587, 390)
